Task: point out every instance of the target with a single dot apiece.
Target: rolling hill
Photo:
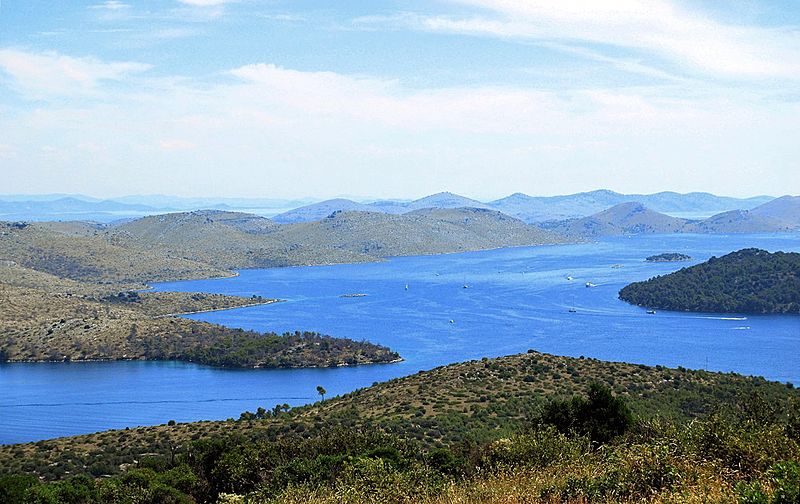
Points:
(630, 218)
(80, 252)
(232, 240)
(623, 219)
(317, 211)
(474, 431)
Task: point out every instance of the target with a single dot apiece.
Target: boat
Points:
(569, 277)
(452, 321)
(572, 310)
(590, 284)
(651, 312)
(353, 295)
(406, 286)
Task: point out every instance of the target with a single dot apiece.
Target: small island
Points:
(747, 281)
(668, 257)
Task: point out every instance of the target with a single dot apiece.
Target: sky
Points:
(379, 99)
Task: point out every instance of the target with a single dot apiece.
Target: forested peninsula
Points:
(747, 281)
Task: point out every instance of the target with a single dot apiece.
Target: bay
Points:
(433, 310)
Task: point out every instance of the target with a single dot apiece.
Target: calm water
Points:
(516, 299)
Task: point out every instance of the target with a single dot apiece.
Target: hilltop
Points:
(623, 219)
(317, 211)
(747, 281)
(779, 215)
(454, 434)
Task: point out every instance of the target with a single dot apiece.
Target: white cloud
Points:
(283, 132)
(204, 3)
(40, 74)
(658, 28)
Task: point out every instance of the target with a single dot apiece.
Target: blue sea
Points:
(433, 310)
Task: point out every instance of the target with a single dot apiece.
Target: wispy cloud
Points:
(113, 5)
(41, 74)
(657, 29)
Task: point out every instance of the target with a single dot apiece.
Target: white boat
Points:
(569, 277)
(590, 284)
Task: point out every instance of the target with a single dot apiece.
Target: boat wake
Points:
(723, 318)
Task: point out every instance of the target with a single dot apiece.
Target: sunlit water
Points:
(516, 299)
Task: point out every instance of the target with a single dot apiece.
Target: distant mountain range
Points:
(79, 207)
(630, 218)
(526, 208)
(538, 208)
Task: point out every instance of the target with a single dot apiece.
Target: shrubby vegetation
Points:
(471, 404)
(238, 348)
(747, 281)
(747, 453)
(131, 325)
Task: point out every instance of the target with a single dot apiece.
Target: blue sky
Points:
(399, 99)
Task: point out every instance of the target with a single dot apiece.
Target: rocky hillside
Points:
(233, 240)
(80, 252)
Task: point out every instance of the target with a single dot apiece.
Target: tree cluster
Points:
(747, 281)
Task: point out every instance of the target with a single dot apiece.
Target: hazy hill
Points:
(317, 211)
(445, 200)
(747, 281)
(535, 209)
(623, 219)
(781, 214)
(68, 208)
(785, 210)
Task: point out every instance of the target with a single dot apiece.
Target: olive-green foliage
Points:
(745, 449)
(747, 281)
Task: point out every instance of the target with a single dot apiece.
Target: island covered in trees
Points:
(746, 281)
(668, 257)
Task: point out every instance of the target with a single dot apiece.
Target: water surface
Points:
(516, 299)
